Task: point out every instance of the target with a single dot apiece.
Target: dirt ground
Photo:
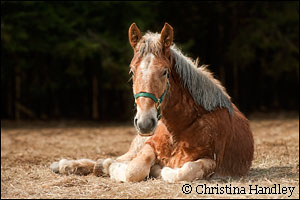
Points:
(29, 147)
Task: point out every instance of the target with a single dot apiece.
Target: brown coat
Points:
(189, 133)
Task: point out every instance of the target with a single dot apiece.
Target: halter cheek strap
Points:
(152, 96)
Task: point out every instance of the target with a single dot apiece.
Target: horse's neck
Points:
(180, 109)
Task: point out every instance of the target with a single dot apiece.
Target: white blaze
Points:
(145, 67)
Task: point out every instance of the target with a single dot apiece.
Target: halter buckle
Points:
(157, 104)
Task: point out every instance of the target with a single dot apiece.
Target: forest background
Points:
(70, 60)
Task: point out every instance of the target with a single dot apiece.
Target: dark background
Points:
(69, 60)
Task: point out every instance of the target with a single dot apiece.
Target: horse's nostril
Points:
(153, 121)
(135, 121)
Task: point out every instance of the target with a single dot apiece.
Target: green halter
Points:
(151, 96)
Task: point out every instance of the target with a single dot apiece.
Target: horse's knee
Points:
(139, 168)
(136, 172)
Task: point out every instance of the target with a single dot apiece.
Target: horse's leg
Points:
(199, 169)
(136, 145)
(80, 167)
(134, 170)
(101, 166)
(87, 166)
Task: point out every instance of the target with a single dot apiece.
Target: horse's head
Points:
(150, 68)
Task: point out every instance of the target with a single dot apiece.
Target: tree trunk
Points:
(235, 81)
(95, 112)
(10, 102)
(235, 64)
(18, 94)
(220, 52)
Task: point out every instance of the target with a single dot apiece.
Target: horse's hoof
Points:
(98, 168)
(54, 167)
(155, 171)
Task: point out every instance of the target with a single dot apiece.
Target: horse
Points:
(188, 128)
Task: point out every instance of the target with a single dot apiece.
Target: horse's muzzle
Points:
(145, 126)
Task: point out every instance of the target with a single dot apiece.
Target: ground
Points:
(29, 147)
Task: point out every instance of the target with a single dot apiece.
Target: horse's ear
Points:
(134, 35)
(166, 35)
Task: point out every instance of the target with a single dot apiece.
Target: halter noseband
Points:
(152, 96)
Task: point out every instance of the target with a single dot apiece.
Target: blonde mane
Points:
(199, 81)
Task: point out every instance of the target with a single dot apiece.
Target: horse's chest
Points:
(172, 153)
(174, 157)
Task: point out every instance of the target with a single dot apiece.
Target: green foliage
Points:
(269, 38)
(58, 47)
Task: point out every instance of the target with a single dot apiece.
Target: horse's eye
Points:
(165, 72)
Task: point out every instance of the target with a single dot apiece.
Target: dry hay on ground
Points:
(28, 149)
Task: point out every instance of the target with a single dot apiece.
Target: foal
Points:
(200, 133)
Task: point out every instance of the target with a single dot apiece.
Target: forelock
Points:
(149, 43)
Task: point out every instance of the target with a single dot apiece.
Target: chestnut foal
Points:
(200, 133)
